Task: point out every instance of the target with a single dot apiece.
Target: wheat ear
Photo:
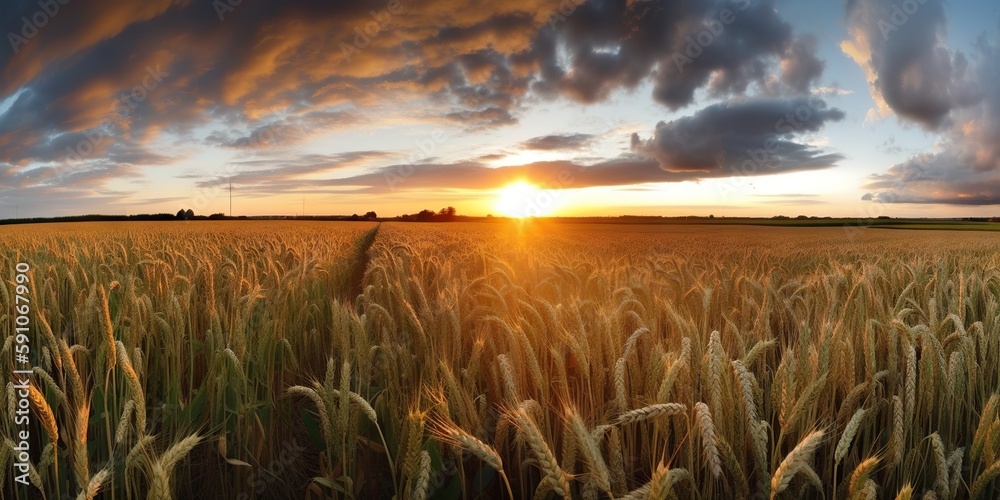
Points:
(422, 483)
(848, 436)
(45, 415)
(651, 412)
(159, 484)
(94, 485)
(709, 445)
(797, 459)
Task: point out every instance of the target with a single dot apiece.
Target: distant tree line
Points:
(446, 214)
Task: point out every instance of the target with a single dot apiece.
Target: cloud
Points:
(741, 136)
(62, 189)
(279, 57)
(787, 195)
(890, 146)
(911, 71)
(964, 166)
(795, 199)
(800, 67)
(473, 175)
(259, 175)
(269, 75)
(68, 30)
(285, 131)
(723, 45)
(480, 119)
(557, 142)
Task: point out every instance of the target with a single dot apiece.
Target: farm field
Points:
(493, 360)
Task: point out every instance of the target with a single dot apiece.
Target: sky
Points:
(640, 107)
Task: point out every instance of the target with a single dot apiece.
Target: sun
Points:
(524, 199)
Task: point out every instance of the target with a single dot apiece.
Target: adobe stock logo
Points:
(901, 15)
(127, 103)
(363, 35)
(697, 43)
(30, 26)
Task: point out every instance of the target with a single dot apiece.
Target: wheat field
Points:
(505, 360)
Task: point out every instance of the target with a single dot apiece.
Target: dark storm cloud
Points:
(557, 142)
(681, 46)
(724, 137)
(964, 167)
(901, 46)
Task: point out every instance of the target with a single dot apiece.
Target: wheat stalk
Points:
(106, 326)
(324, 415)
(650, 412)
(905, 493)
(663, 481)
(796, 460)
(589, 449)
(135, 388)
(162, 470)
(44, 411)
(414, 438)
(70, 370)
(81, 466)
(123, 422)
(898, 433)
(674, 371)
(859, 484)
(984, 480)
(942, 484)
(553, 476)
(422, 484)
(848, 436)
(94, 485)
(710, 448)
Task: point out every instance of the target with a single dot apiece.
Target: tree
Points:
(371, 215)
(425, 215)
(189, 214)
(180, 214)
(446, 214)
